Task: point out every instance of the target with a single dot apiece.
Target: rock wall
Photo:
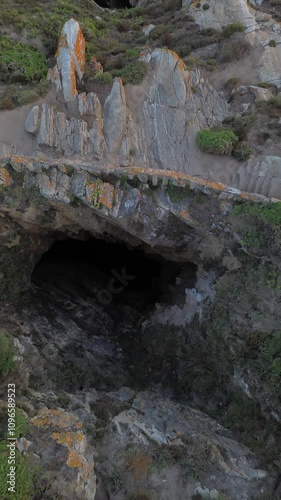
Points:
(260, 30)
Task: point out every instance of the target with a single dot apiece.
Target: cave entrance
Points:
(114, 4)
(111, 273)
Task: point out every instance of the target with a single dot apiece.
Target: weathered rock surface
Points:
(70, 60)
(155, 127)
(260, 30)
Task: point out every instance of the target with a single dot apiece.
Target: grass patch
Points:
(26, 474)
(270, 213)
(20, 62)
(220, 142)
(7, 354)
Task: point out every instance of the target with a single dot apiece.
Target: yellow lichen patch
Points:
(106, 196)
(5, 178)
(75, 440)
(56, 418)
(248, 196)
(74, 459)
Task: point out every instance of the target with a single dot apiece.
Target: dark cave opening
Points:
(114, 4)
(111, 273)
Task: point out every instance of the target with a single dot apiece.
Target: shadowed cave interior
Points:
(111, 273)
(114, 4)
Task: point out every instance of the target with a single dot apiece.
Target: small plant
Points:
(233, 28)
(206, 6)
(241, 151)
(7, 354)
(105, 78)
(232, 82)
(264, 85)
(272, 43)
(220, 142)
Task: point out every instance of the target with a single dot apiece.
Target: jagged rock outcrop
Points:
(154, 128)
(260, 30)
(70, 58)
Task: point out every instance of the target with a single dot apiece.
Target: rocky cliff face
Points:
(153, 127)
(261, 29)
(140, 282)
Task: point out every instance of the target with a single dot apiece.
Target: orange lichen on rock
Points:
(5, 178)
(106, 197)
(184, 214)
(80, 49)
(56, 418)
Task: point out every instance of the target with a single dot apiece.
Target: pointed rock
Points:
(70, 60)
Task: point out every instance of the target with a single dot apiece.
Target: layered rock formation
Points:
(261, 29)
(154, 127)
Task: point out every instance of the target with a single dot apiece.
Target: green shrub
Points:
(232, 82)
(20, 63)
(275, 101)
(269, 213)
(18, 95)
(220, 142)
(264, 85)
(7, 354)
(206, 6)
(233, 28)
(241, 151)
(272, 43)
(105, 78)
(132, 53)
(133, 73)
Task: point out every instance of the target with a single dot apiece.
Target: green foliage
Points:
(272, 43)
(133, 73)
(7, 354)
(26, 475)
(232, 82)
(220, 142)
(233, 28)
(275, 101)
(177, 193)
(18, 95)
(106, 78)
(270, 213)
(206, 6)
(269, 363)
(20, 62)
(242, 151)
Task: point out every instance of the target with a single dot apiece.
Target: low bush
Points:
(220, 142)
(233, 28)
(242, 151)
(272, 43)
(105, 78)
(133, 73)
(20, 62)
(18, 95)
